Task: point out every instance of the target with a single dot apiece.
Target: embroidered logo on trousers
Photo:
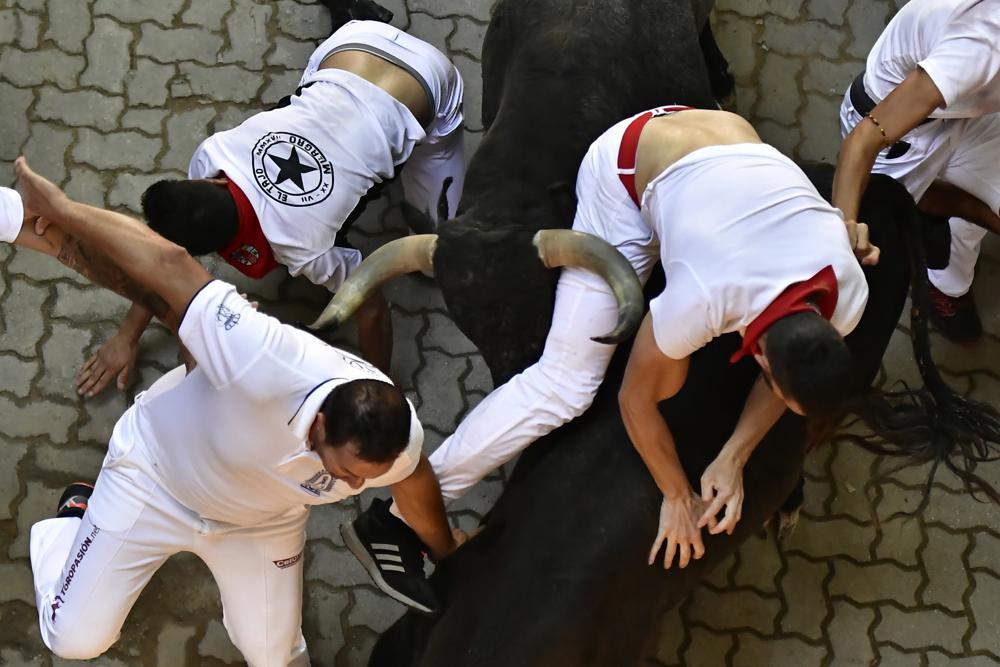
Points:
(285, 563)
(81, 553)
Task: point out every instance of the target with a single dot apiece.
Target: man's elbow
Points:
(174, 259)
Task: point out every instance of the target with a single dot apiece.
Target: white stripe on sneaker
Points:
(394, 568)
(389, 557)
(385, 547)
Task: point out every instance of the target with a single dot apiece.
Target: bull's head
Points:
(507, 317)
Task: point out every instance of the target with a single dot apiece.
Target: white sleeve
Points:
(681, 314)
(966, 58)
(11, 214)
(331, 268)
(225, 334)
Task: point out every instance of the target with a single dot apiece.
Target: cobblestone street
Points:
(108, 96)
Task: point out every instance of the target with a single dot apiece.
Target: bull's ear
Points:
(417, 220)
(563, 198)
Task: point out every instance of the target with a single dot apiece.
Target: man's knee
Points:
(76, 641)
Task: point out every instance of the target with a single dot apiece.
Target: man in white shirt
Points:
(280, 187)
(222, 460)
(770, 259)
(926, 111)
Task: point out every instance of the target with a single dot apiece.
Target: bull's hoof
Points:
(787, 521)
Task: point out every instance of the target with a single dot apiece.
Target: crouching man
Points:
(222, 460)
(283, 187)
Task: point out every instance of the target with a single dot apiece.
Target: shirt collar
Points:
(818, 294)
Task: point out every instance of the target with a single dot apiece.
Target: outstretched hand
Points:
(864, 250)
(679, 528)
(39, 195)
(115, 359)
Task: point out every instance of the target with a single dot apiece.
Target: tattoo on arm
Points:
(102, 271)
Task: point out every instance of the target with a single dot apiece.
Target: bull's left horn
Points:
(405, 255)
(563, 247)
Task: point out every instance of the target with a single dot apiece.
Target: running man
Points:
(222, 460)
(926, 111)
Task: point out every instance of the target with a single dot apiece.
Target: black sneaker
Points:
(393, 556)
(955, 317)
(73, 501)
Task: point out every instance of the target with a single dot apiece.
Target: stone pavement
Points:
(107, 96)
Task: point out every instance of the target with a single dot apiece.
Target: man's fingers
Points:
(707, 490)
(684, 555)
(871, 259)
(729, 520)
(668, 558)
(656, 547)
(698, 546)
(712, 510)
(94, 383)
(124, 376)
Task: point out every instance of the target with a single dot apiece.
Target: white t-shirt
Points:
(736, 226)
(957, 42)
(305, 167)
(11, 214)
(229, 440)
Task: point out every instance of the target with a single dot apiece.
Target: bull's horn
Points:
(563, 247)
(405, 255)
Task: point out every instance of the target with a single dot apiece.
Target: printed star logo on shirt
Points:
(291, 169)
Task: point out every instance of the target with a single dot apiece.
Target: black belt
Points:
(862, 101)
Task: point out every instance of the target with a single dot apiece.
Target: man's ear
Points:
(563, 197)
(317, 431)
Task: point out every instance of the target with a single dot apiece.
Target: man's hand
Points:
(116, 358)
(722, 486)
(39, 196)
(857, 234)
(678, 526)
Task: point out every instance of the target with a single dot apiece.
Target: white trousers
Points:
(441, 155)
(88, 573)
(564, 381)
(961, 151)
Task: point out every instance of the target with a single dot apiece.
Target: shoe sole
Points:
(353, 543)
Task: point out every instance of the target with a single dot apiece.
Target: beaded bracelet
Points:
(885, 139)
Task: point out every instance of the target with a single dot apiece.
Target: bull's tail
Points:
(934, 423)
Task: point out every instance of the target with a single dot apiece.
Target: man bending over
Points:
(282, 187)
(222, 460)
(769, 258)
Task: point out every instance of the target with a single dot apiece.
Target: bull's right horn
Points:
(563, 247)
(405, 255)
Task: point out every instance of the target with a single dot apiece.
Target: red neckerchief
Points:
(818, 294)
(248, 252)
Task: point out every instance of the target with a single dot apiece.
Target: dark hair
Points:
(198, 215)
(372, 414)
(810, 362)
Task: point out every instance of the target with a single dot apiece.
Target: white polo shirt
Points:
(736, 226)
(305, 167)
(957, 42)
(228, 440)
(11, 214)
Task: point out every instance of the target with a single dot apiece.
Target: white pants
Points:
(963, 152)
(564, 381)
(441, 155)
(88, 573)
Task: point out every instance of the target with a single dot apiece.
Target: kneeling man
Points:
(223, 460)
(747, 245)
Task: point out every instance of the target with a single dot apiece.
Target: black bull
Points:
(558, 575)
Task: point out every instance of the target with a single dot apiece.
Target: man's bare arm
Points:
(149, 260)
(947, 200)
